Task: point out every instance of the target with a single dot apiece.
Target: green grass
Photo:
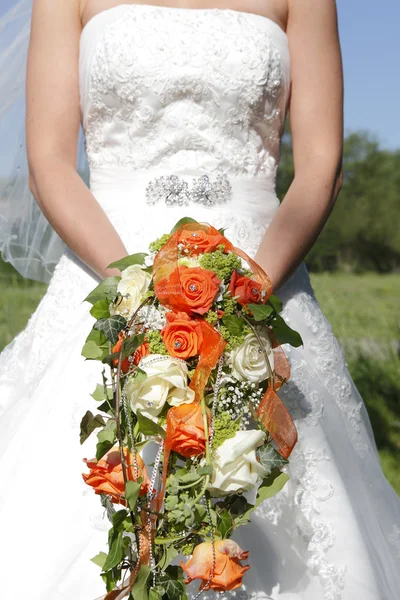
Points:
(363, 312)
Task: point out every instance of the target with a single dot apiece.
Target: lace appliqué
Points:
(210, 96)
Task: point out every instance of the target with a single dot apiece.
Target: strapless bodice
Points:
(172, 89)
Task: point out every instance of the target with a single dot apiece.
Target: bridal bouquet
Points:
(190, 338)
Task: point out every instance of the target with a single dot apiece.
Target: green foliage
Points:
(362, 232)
(96, 346)
(128, 261)
(156, 344)
(106, 290)
(222, 264)
(260, 311)
(224, 428)
(285, 334)
(111, 327)
(159, 242)
(88, 424)
(270, 458)
(149, 427)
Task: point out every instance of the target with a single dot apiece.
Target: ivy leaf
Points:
(270, 458)
(106, 290)
(285, 334)
(99, 393)
(88, 424)
(139, 589)
(260, 311)
(132, 489)
(128, 261)
(116, 553)
(99, 559)
(131, 344)
(149, 427)
(111, 327)
(275, 303)
(182, 222)
(95, 345)
(174, 589)
(100, 310)
(233, 324)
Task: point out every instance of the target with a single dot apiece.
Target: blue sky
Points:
(369, 33)
(370, 40)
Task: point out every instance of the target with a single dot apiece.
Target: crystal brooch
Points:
(176, 192)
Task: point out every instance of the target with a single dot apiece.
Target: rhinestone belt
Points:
(175, 191)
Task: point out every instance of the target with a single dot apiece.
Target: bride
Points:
(161, 89)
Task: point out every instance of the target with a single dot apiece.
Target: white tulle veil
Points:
(27, 240)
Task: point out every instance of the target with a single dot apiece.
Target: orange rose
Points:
(126, 364)
(185, 429)
(199, 241)
(182, 336)
(106, 475)
(246, 289)
(188, 289)
(228, 571)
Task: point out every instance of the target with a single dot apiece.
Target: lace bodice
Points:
(172, 88)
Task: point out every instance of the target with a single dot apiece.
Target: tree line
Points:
(363, 232)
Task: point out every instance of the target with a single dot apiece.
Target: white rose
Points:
(248, 360)
(235, 467)
(133, 286)
(166, 381)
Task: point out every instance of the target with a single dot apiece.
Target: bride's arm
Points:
(52, 122)
(316, 119)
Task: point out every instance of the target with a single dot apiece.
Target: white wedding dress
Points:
(187, 92)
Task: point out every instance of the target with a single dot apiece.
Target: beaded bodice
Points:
(171, 88)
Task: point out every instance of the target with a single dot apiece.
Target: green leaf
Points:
(233, 324)
(128, 261)
(285, 334)
(182, 222)
(96, 343)
(111, 327)
(99, 559)
(174, 588)
(116, 553)
(206, 470)
(156, 594)
(270, 458)
(131, 344)
(140, 376)
(170, 553)
(118, 519)
(225, 523)
(132, 489)
(149, 427)
(275, 303)
(106, 438)
(110, 358)
(139, 590)
(260, 311)
(106, 290)
(88, 424)
(100, 310)
(99, 393)
(92, 351)
(269, 487)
